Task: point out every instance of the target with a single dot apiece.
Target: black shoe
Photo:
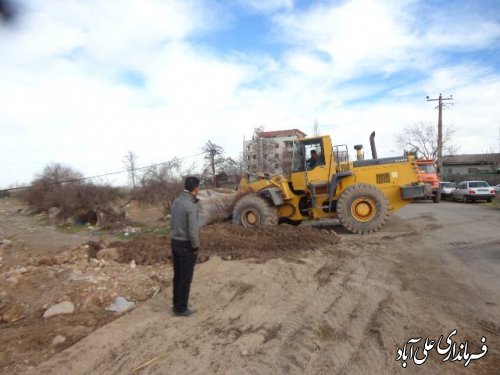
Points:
(187, 312)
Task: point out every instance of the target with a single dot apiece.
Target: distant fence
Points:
(491, 178)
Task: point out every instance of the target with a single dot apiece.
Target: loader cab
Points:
(307, 169)
(307, 155)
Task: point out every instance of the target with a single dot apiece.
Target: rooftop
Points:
(479, 159)
(283, 133)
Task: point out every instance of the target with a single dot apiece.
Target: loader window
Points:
(427, 168)
(308, 154)
(297, 157)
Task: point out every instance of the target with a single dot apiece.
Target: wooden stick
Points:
(149, 362)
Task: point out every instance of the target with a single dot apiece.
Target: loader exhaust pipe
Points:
(359, 152)
(372, 146)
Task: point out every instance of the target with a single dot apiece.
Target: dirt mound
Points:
(231, 242)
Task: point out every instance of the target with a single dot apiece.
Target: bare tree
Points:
(130, 162)
(188, 170)
(214, 156)
(56, 173)
(63, 190)
(242, 164)
(160, 185)
(421, 139)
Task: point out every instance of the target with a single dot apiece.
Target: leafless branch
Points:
(421, 139)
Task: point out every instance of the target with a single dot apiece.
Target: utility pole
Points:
(440, 132)
(315, 127)
(213, 150)
(130, 162)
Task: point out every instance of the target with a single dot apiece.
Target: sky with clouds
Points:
(84, 82)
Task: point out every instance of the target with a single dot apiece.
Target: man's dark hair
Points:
(191, 183)
(314, 152)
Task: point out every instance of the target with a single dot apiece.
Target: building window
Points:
(254, 156)
(276, 165)
(265, 156)
(277, 156)
(276, 145)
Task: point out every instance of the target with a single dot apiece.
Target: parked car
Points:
(468, 191)
(446, 188)
(497, 188)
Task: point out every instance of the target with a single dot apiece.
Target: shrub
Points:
(73, 198)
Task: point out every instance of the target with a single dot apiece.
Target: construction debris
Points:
(59, 339)
(12, 313)
(65, 307)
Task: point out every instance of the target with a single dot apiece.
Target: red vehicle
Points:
(428, 175)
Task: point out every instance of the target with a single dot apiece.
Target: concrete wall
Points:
(467, 169)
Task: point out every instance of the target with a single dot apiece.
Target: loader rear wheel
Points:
(253, 210)
(362, 208)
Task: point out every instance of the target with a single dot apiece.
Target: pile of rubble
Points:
(229, 242)
(51, 302)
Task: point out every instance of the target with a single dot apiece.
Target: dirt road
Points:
(344, 308)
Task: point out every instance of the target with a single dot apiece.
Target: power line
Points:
(104, 174)
(478, 58)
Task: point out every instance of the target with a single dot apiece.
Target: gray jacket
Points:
(184, 220)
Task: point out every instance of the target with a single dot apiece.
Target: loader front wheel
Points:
(362, 208)
(437, 198)
(253, 210)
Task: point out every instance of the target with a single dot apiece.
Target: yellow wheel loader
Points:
(323, 183)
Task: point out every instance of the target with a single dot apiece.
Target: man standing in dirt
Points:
(185, 243)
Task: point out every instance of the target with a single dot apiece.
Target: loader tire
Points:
(437, 198)
(362, 208)
(253, 210)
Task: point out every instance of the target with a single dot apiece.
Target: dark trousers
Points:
(183, 259)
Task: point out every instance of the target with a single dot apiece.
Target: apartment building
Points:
(270, 151)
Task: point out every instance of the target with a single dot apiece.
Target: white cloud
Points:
(267, 5)
(363, 36)
(64, 97)
(356, 35)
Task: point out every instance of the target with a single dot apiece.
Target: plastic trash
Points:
(120, 305)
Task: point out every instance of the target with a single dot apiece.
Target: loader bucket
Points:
(215, 205)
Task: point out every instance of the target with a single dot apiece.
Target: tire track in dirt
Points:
(298, 340)
(362, 294)
(308, 315)
(329, 311)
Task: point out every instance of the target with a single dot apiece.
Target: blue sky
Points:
(84, 82)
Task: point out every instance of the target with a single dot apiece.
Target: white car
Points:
(446, 188)
(468, 191)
